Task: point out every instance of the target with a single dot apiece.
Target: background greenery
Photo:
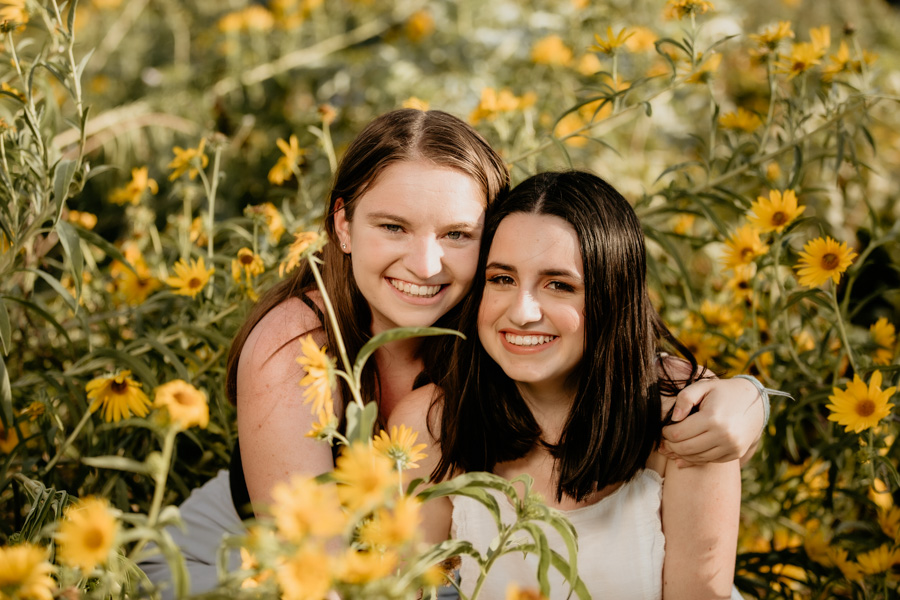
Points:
(92, 93)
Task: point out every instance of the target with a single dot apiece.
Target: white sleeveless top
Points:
(621, 546)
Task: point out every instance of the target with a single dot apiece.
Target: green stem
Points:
(490, 561)
(329, 308)
(65, 446)
(328, 145)
(770, 115)
(784, 314)
(843, 330)
(159, 491)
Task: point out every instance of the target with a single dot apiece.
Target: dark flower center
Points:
(779, 218)
(830, 261)
(865, 408)
(194, 282)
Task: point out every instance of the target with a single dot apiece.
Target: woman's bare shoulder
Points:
(281, 327)
(413, 410)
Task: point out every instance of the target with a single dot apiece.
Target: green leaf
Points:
(361, 421)
(43, 313)
(65, 171)
(57, 287)
(5, 330)
(72, 246)
(543, 553)
(137, 366)
(393, 335)
(6, 408)
(95, 240)
(167, 352)
(117, 463)
(570, 537)
(70, 18)
(577, 584)
(816, 295)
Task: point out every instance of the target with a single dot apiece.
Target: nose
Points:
(425, 258)
(525, 309)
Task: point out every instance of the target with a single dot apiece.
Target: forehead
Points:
(543, 242)
(423, 191)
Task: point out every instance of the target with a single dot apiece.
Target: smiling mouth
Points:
(412, 289)
(529, 340)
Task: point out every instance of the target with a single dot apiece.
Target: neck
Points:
(550, 404)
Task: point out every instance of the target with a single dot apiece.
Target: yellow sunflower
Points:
(132, 192)
(823, 259)
(187, 160)
(13, 11)
(365, 477)
(770, 37)
(613, 41)
(25, 573)
(87, 534)
(860, 407)
(514, 592)
(741, 284)
(678, 9)
(742, 120)
(190, 277)
(119, 395)
(358, 567)
(889, 520)
(399, 447)
(319, 378)
(325, 427)
(304, 507)
(271, 217)
(803, 57)
(305, 575)
(392, 527)
(706, 70)
(775, 212)
(248, 264)
(419, 26)
(743, 247)
(885, 336)
(187, 406)
(551, 50)
(879, 560)
(303, 240)
(290, 161)
(133, 286)
(848, 568)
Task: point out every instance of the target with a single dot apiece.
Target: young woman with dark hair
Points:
(403, 223)
(563, 376)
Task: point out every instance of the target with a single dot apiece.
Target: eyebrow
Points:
(546, 272)
(465, 225)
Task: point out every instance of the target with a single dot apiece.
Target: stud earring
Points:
(343, 246)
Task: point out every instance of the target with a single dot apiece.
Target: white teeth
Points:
(529, 340)
(423, 291)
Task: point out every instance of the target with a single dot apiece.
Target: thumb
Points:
(689, 398)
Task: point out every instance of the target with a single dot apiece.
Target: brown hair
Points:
(400, 135)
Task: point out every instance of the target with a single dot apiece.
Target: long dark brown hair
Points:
(400, 135)
(615, 419)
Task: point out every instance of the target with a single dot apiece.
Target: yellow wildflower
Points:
(702, 345)
(25, 573)
(514, 592)
(551, 50)
(843, 63)
(860, 407)
(187, 406)
(357, 567)
(567, 130)
(817, 545)
(400, 446)
(419, 26)
(231, 22)
(247, 264)
(393, 527)
(771, 36)
(15, 92)
(803, 57)
(820, 38)
(589, 65)
(272, 218)
(119, 395)
(823, 259)
(9, 439)
(889, 521)
(305, 575)
(773, 171)
(742, 120)
(258, 18)
(287, 164)
(641, 39)
(327, 112)
(85, 220)
(848, 568)
(416, 103)
(187, 160)
(190, 277)
(325, 427)
(678, 9)
(319, 378)
(303, 507)
(302, 241)
(134, 189)
(775, 212)
(613, 41)
(13, 12)
(879, 560)
(197, 232)
(743, 247)
(683, 224)
(885, 336)
(365, 477)
(706, 70)
(133, 286)
(880, 494)
(493, 103)
(87, 534)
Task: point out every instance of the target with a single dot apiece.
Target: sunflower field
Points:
(162, 162)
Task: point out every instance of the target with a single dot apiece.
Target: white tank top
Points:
(621, 546)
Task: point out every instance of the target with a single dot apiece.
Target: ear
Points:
(342, 226)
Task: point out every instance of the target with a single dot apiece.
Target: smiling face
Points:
(414, 242)
(531, 320)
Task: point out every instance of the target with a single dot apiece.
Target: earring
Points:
(343, 246)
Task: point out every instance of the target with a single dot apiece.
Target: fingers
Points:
(688, 398)
(687, 429)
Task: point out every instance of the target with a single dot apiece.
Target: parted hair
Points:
(615, 419)
(400, 135)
